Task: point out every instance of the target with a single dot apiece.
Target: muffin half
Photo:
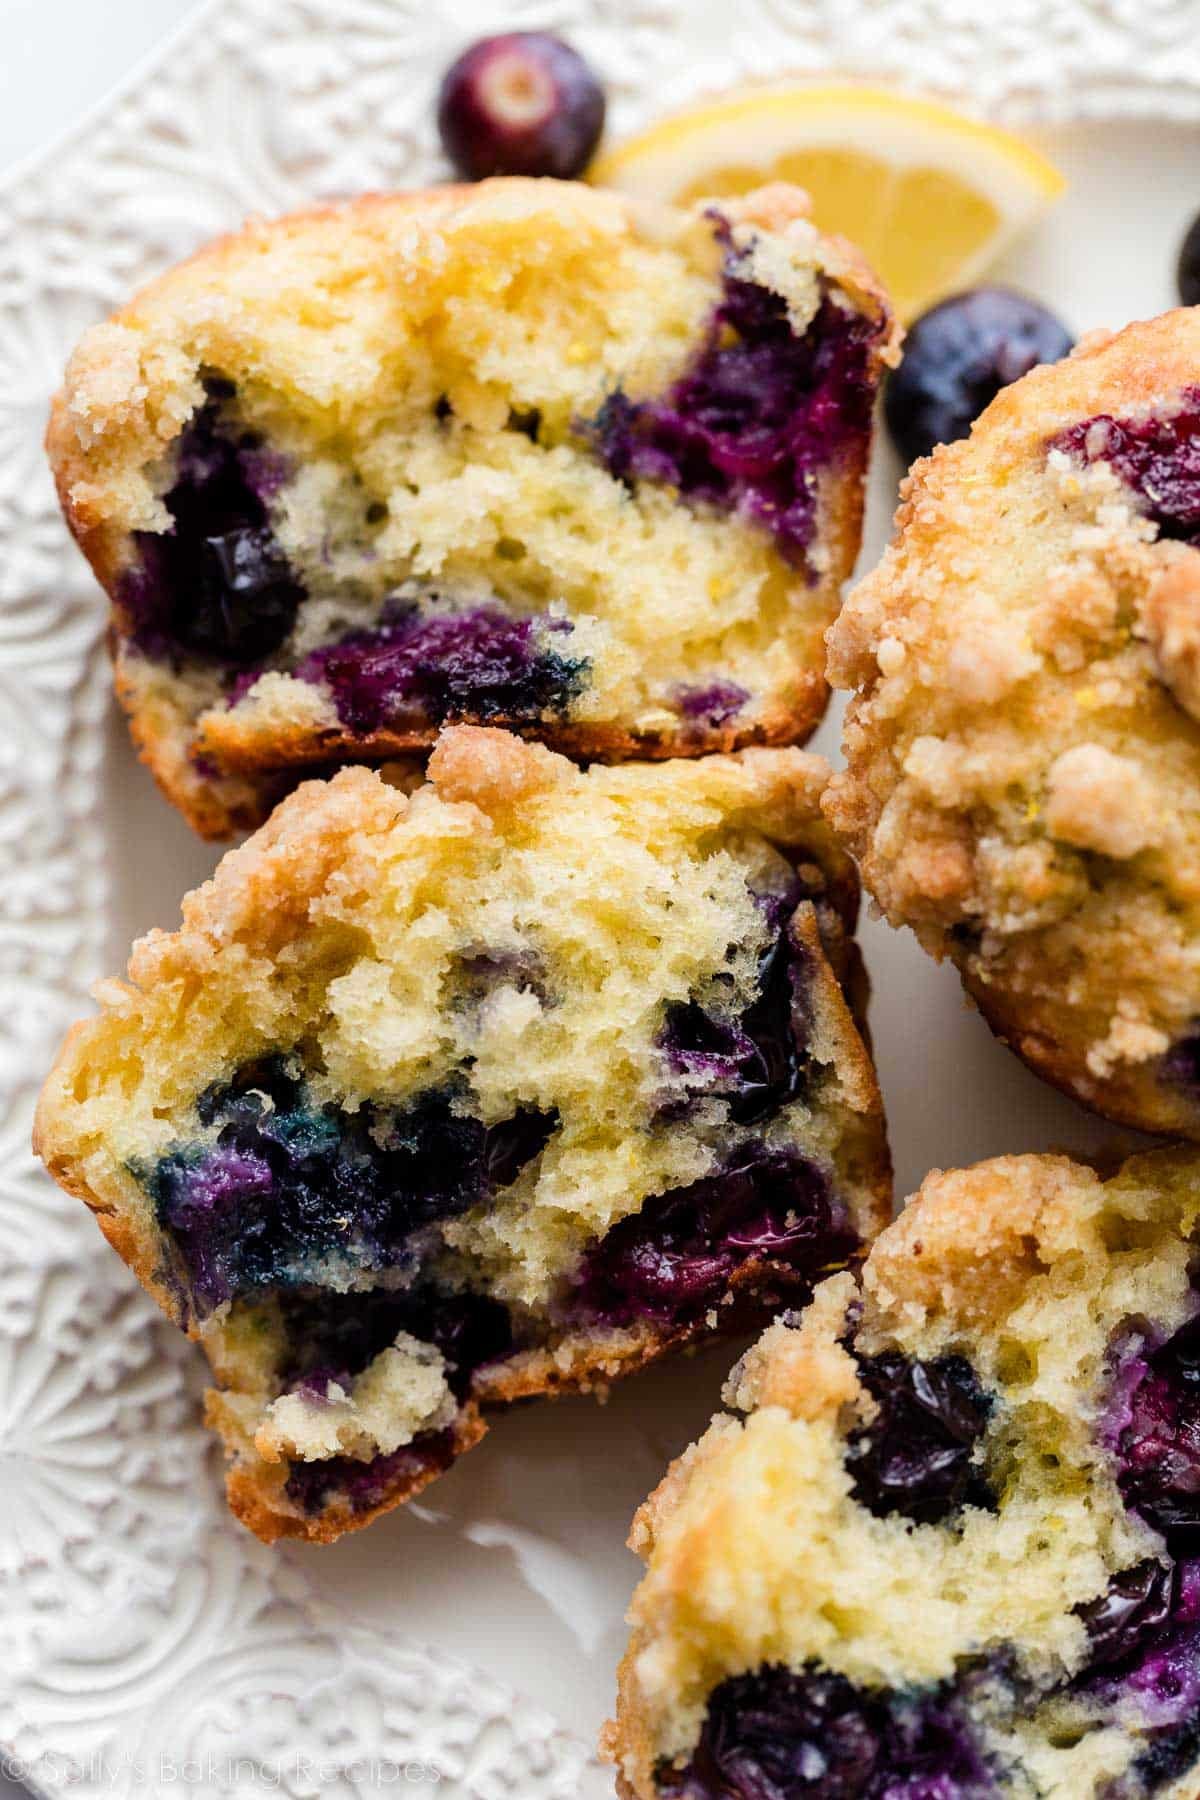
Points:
(513, 454)
(950, 1549)
(499, 1088)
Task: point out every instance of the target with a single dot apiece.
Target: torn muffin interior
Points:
(952, 1548)
(491, 1090)
(500, 455)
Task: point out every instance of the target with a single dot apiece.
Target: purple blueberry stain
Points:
(216, 586)
(483, 664)
(331, 1338)
(1157, 457)
(760, 413)
(779, 1734)
(713, 705)
(361, 1485)
(285, 1185)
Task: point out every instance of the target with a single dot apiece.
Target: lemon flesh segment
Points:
(929, 196)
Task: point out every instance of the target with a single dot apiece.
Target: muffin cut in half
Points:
(1023, 781)
(952, 1550)
(513, 454)
(501, 1087)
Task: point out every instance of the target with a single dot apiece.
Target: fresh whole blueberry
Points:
(1187, 272)
(958, 356)
(523, 103)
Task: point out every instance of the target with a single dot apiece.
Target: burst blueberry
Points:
(361, 1485)
(1156, 456)
(756, 1062)
(917, 1456)
(1158, 1451)
(216, 585)
(482, 665)
(757, 417)
(776, 1734)
(287, 1185)
(337, 1335)
(677, 1256)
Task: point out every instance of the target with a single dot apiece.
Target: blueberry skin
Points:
(1187, 270)
(916, 1457)
(958, 356)
(522, 103)
(780, 1734)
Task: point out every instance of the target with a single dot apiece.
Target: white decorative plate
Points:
(466, 1645)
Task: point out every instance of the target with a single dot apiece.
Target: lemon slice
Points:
(929, 196)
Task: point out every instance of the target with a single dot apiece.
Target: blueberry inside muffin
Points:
(945, 1544)
(510, 454)
(1023, 748)
(500, 1086)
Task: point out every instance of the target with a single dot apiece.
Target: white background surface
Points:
(60, 57)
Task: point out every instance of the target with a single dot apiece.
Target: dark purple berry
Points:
(757, 1062)
(361, 1485)
(1187, 270)
(916, 1457)
(1133, 1610)
(676, 1256)
(523, 103)
(756, 418)
(217, 584)
(1158, 1451)
(481, 664)
(778, 1735)
(958, 356)
(1156, 456)
(287, 1185)
(333, 1336)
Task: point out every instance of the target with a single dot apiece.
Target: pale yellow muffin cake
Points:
(502, 1086)
(945, 1545)
(1023, 781)
(520, 453)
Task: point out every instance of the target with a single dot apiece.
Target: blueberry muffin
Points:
(510, 454)
(499, 1087)
(1023, 781)
(951, 1551)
